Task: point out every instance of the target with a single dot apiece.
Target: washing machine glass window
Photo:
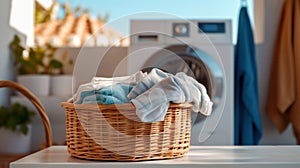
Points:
(201, 66)
(193, 62)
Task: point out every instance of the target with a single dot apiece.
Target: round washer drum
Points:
(195, 63)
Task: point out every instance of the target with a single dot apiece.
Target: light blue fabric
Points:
(100, 82)
(152, 105)
(155, 76)
(247, 122)
(114, 94)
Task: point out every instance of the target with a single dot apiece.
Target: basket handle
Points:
(34, 100)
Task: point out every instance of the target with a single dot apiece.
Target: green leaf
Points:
(28, 67)
(24, 129)
(55, 64)
(37, 62)
(16, 40)
(16, 118)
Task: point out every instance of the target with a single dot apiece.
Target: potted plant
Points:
(35, 65)
(15, 129)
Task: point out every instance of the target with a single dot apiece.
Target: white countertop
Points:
(198, 156)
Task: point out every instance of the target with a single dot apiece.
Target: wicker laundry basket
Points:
(37, 104)
(114, 132)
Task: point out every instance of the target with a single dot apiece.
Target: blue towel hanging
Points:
(248, 128)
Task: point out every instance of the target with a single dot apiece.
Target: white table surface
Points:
(198, 156)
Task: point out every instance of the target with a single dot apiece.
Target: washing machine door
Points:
(199, 65)
(195, 63)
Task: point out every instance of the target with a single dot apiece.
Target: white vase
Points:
(15, 142)
(37, 84)
(61, 85)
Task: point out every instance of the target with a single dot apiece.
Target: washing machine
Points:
(202, 49)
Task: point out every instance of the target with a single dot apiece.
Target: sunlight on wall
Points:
(21, 18)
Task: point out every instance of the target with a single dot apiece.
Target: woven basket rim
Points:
(127, 106)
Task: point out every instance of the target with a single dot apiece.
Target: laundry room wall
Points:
(264, 58)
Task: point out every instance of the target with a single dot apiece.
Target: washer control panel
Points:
(211, 27)
(181, 29)
(190, 31)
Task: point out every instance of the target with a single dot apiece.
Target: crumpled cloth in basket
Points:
(151, 94)
(152, 99)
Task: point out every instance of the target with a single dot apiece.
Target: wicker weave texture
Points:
(114, 132)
